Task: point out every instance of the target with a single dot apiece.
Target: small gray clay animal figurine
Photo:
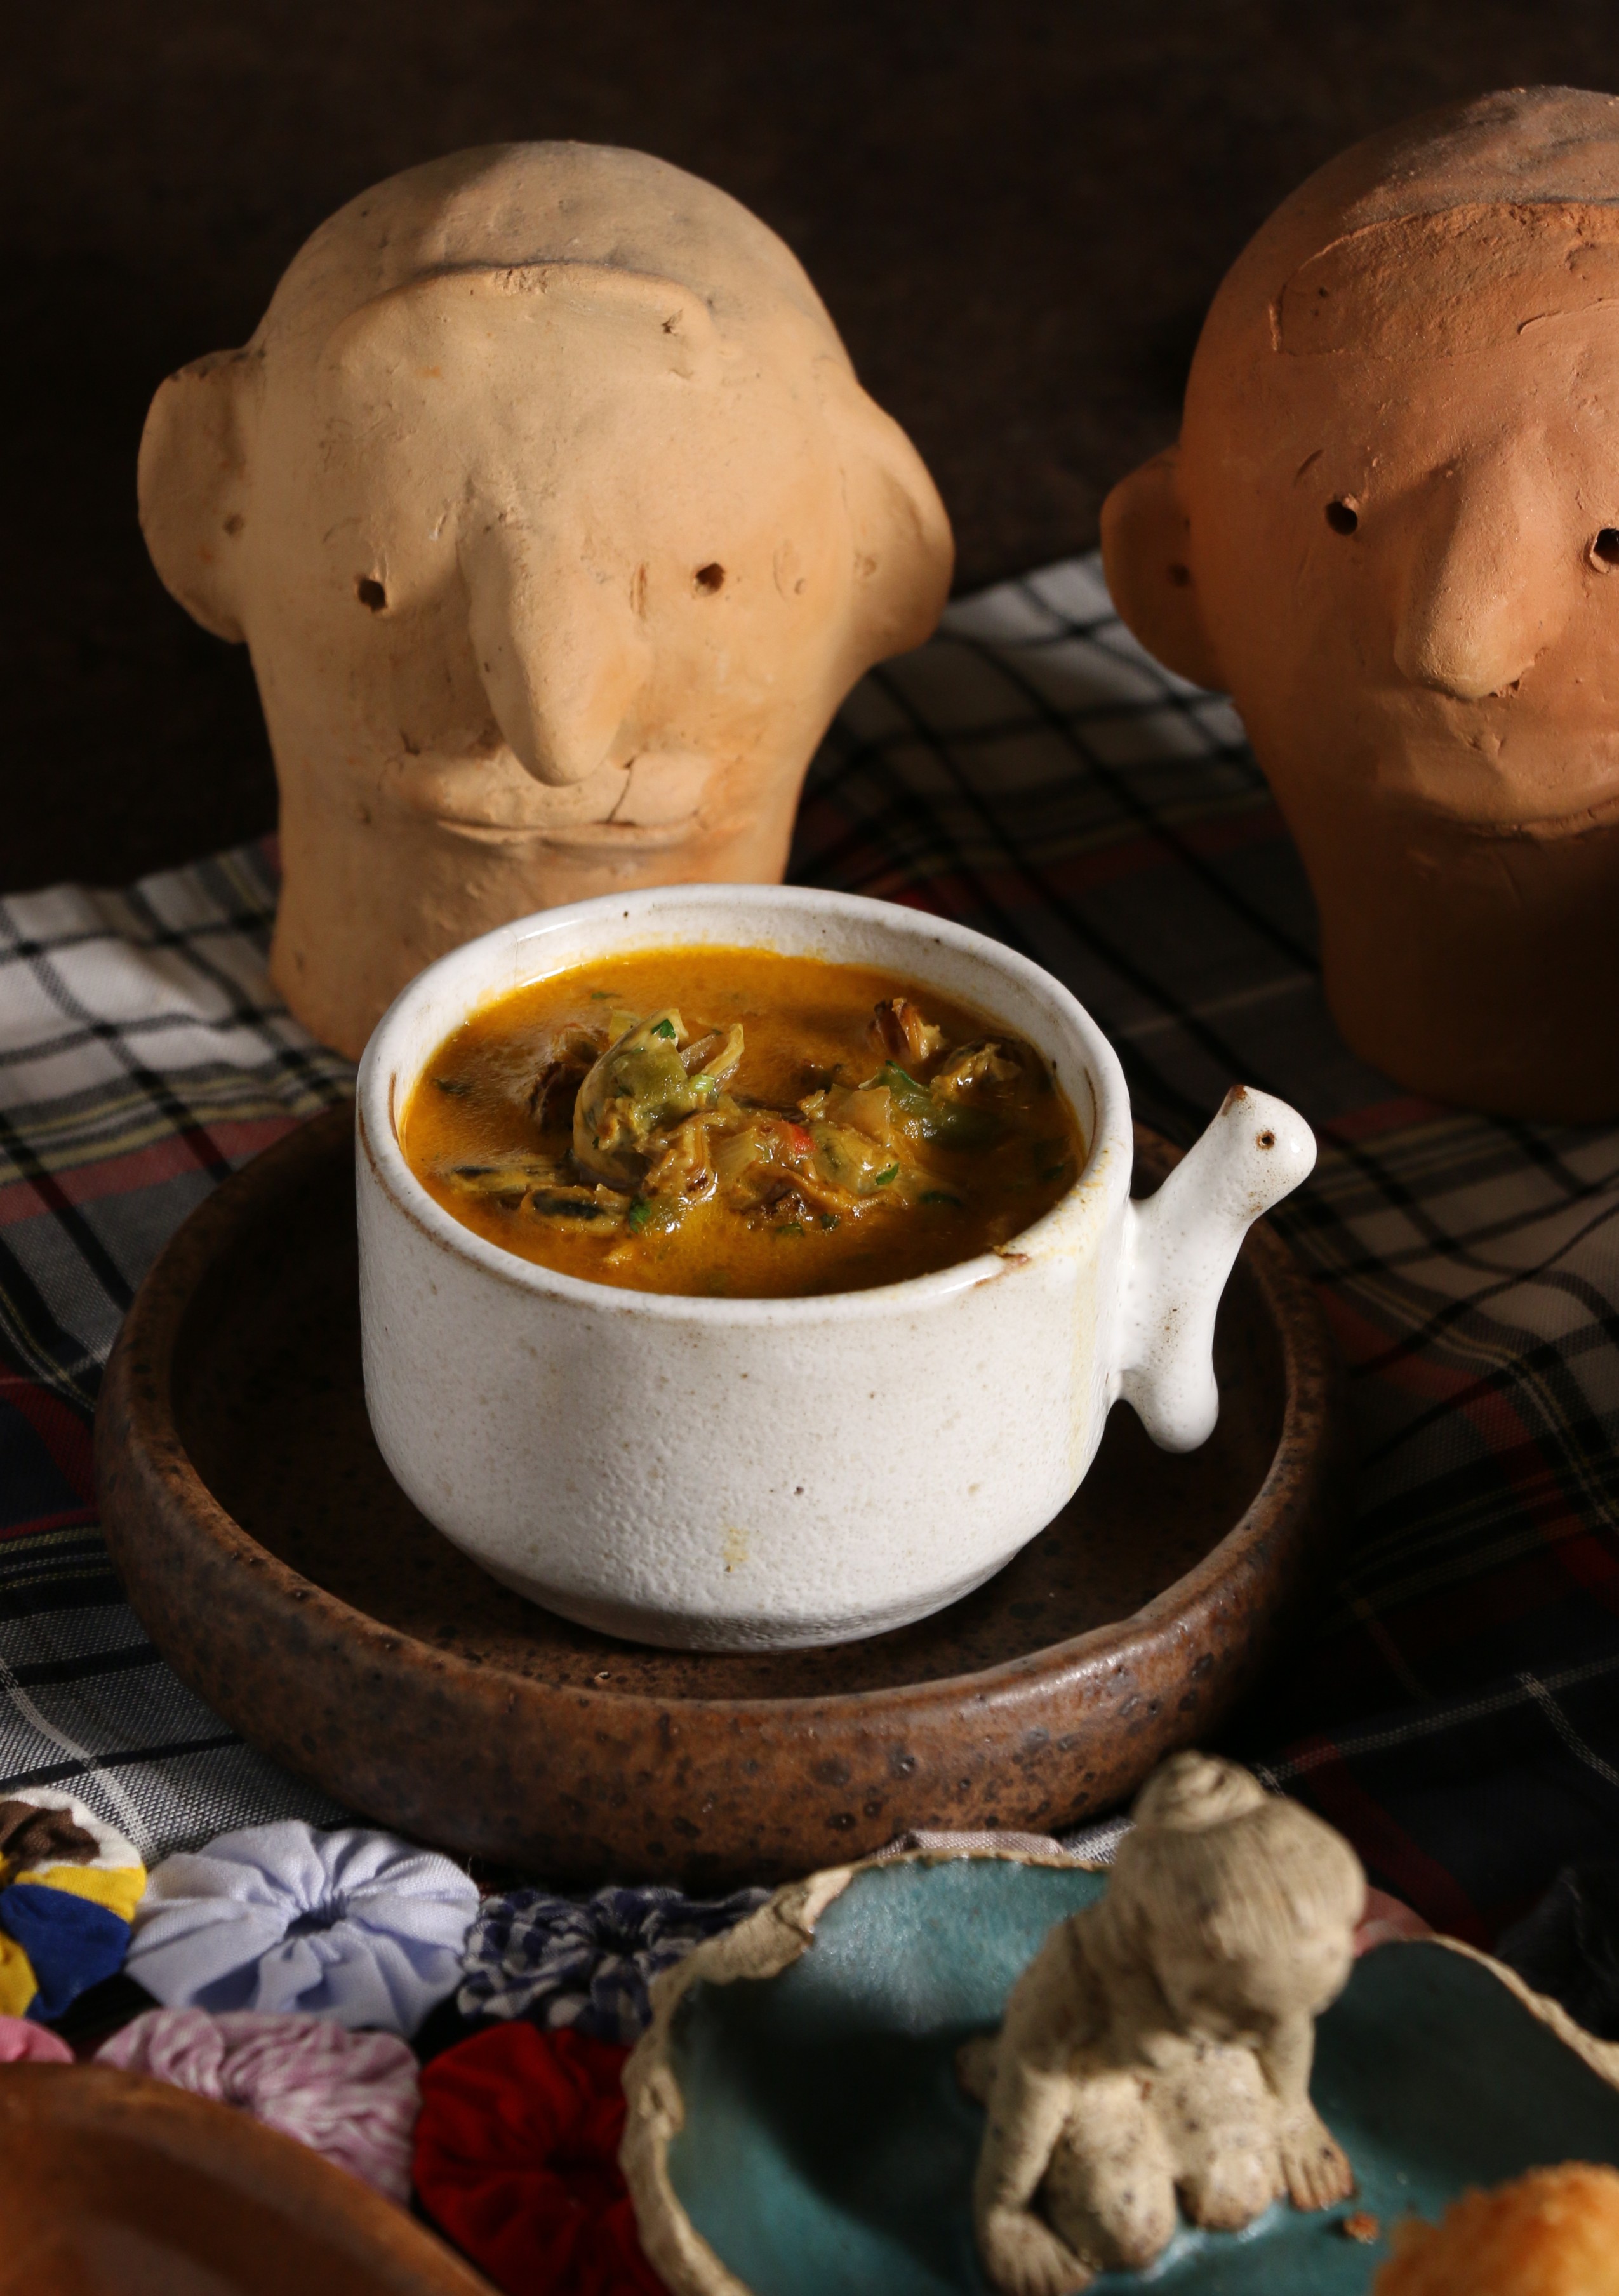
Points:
(1160, 2042)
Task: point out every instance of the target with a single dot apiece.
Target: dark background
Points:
(1015, 209)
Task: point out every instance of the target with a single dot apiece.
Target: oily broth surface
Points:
(804, 1020)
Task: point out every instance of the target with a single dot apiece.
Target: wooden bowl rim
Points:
(230, 2149)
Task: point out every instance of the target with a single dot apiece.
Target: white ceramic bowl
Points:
(728, 1474)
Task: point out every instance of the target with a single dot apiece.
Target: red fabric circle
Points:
(517, 2160)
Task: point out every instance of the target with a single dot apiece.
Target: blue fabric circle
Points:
(70, 1942)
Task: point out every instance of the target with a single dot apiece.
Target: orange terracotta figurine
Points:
(558, 525)
(1391, 532)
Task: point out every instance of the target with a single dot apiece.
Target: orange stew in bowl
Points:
(736, 1122)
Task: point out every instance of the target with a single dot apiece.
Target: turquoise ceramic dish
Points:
(825, 2145)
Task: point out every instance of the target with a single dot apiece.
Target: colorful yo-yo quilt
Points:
(68, 1888)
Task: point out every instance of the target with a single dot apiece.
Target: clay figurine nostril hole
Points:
(1605, 547)
(1181, 575)
(1267, 1140)
(1341, 519)
(370, 594)
(710, 577)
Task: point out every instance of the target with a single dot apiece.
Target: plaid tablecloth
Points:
(1031, 772)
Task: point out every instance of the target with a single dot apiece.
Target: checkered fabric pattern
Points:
(143, 1056)
(1031, 772)
(562, 1961)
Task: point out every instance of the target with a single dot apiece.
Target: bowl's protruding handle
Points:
(1179, 1246)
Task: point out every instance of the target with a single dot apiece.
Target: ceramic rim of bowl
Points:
(382, 1088)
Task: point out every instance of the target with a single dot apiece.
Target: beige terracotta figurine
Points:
(1391, 530)
(1160, 2043)
(558, 526)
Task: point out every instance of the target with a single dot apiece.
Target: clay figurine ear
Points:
(192, 484)
(1144, 557)
(905, 553)
(558, 650)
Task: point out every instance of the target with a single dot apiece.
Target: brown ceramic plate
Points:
(111, 2184)
(289, 1581)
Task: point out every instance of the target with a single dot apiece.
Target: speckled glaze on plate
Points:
(805, 2131)
(289, 1581)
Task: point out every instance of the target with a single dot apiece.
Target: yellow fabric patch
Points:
(119, 1890)
(18, 1985)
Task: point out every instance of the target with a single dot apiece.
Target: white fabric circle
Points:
(354, 1925)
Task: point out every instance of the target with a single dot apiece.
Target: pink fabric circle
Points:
(22, 2042)
(351, 2096)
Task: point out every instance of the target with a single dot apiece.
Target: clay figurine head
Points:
(1391, 530)
(558, 526)
(1244, 1904)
